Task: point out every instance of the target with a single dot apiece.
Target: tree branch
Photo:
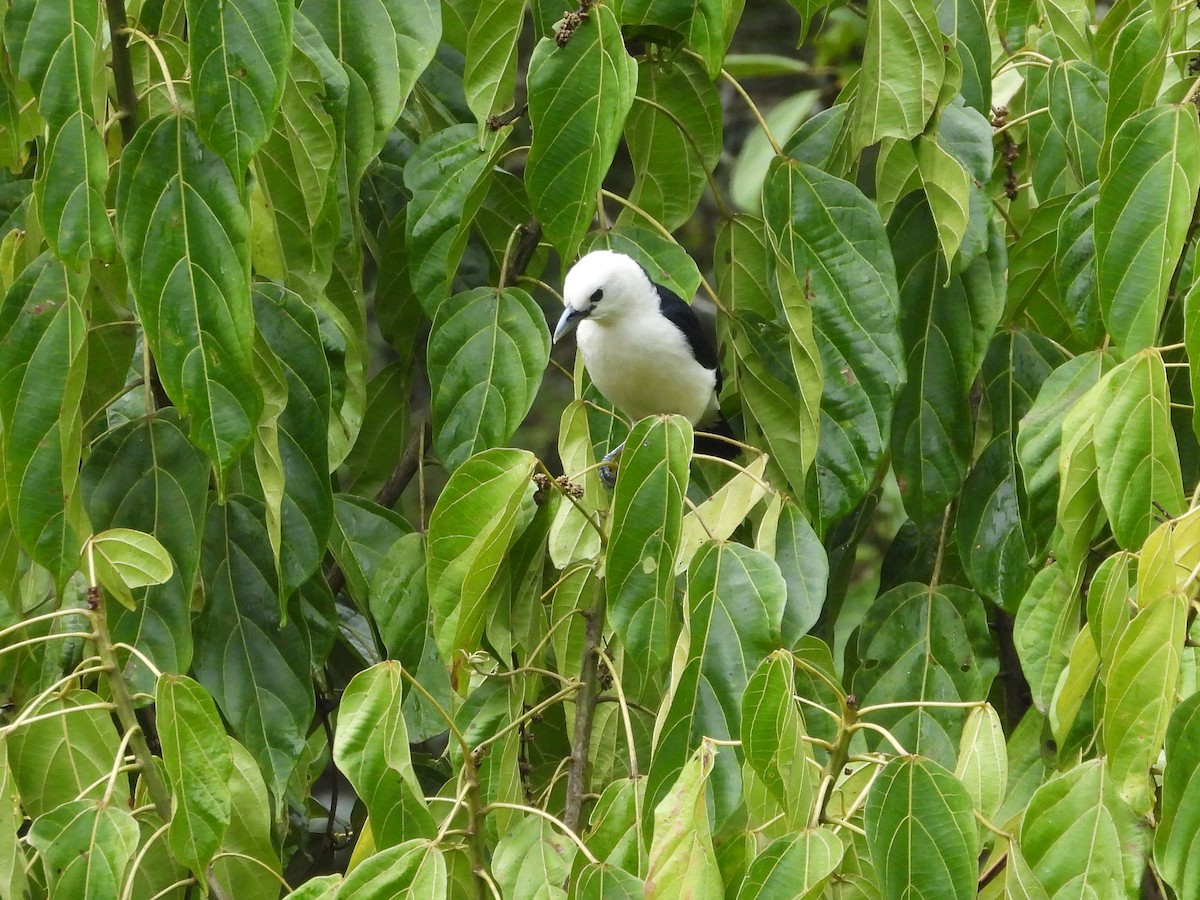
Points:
(585, 712)
(122, 68)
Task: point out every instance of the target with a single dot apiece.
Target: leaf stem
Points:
(692, 142)
(891, 738)
(754, 110)
(432, 701)
(44, 617)
(1031, 56)
(127, 888)
(994, 829)
(529, 714)
(41, 639)
(533, 810)
(168, 81)
(1019, 120)
(917, 704)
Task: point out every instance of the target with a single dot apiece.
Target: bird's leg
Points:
(608, 466)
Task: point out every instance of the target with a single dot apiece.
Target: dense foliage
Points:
(286, 608)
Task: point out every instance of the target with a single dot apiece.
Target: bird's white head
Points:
(603, 284)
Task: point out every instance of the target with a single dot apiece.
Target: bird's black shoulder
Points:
(683, 317)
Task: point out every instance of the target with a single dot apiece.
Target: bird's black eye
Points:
(597, 296)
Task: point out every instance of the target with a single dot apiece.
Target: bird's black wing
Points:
(683, 317)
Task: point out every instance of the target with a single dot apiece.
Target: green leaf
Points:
(294, 194)
(1078, 93)
(1109, 606)
(925, 643)
(384, 47)
(1135, 70)
(774, 405)
(854, 308)
(947, 188)
(772, 737)
(613, 833)
(968, 23)
(1045, 628)
(990, 522)
(399, 600)
(719, 516)
(470, 530)
(1074, 689)
(256, 669)
(1147, 193)
(126, 560)
(86, 846)
(146, 476)
(413, 870)
(238, 55)
(13, 879)
(605, 882)
(446, 175)
(1175, 852)
(1080, 511)
(682, 860)
(735, 600)
(921, 831)
(292, 331)
(1191, 338)
(57, 47)
(1033, 297)
(371, 748)
(1136, 455)
(490, 72)
(248, 834)
(579, 95)
(1139, 693)
(793, 868)
(43, 360)
(1080, 838)
(946, 321)
(644, 537)
(804, 564)
(674, 137)
(487, 351)
(183, 233)
(65, 757)
(198, 763)
(663, 258)
(902, 72)
(531, 856)
(982, 766)
(706, 25)
(363, 533)
(1075, 264)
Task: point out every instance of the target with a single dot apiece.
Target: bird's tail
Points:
(708, 441)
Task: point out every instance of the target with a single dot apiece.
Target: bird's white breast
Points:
(643, 365)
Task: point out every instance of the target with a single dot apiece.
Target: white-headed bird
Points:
(644, 348)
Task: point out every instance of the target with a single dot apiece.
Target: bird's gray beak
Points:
(570, 318)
